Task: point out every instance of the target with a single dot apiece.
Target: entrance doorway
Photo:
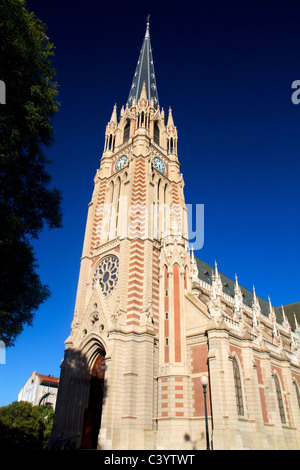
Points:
(92, 415)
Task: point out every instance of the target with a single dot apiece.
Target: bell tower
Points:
(128, 329)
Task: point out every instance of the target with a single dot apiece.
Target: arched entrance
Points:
(92, 415)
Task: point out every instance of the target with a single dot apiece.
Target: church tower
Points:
(153, 323)
(127, 334)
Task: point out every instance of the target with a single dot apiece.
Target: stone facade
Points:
(158, 326)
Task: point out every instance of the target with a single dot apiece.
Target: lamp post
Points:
(204, 381)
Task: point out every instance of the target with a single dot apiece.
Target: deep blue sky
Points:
(226, 69)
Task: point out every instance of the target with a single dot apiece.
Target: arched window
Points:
(166, 214)
(44, 400)
(126, 131)
(156, 133)
(159, 205)
(111, 142)
(118, 205)
(111, 188)
(238, 387)
(170, 145)
(280, 400)
(297, 394)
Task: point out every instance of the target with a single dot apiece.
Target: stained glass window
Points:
(238, 388)
(106, 275)
(280, 401)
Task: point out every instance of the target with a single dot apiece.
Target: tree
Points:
(24, 426)
(27, 203)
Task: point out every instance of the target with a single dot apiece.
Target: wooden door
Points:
(92, 415)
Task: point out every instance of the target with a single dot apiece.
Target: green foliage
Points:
(26, 201)
(23, 426)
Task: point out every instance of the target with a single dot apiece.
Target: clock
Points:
(159, 165)
(121, 163)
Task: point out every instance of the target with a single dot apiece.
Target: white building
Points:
(40, 390)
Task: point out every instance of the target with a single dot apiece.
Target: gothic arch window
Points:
(156, 209)
(165, 207)
(111, 189)
(118, 204)
(158, 187)
(297, 394)
(171, 147)
(156, 133)
(126, 131)
(111, 142)
(279, 399)
(238, 387)
(142, 120)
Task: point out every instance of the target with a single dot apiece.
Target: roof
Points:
(144, 72)
(205, 274)
(290, 311)
(48, 380)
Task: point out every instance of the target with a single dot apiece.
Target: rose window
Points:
(106, 275)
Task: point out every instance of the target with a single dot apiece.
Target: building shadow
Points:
(81, 396)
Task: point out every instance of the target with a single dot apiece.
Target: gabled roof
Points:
(205, 272)
(144, 72)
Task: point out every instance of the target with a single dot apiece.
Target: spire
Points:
(271, 309)
(170, 119)
(216, 282)
(238, 298)
(114, 115)
(216, 269)
(144, 72)
(254, 295)
(143, 95)
(255, 309)
(285, 322)
(255, 302)
(296, 324)
(272, 317)
(195, 272)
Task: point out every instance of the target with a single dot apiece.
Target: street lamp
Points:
(204, 381)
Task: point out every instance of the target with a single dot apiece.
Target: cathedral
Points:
(155, 327)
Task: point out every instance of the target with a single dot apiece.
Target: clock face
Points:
(159, 165)
(121, 163)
